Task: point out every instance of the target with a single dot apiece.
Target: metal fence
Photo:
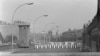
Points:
(59, 45)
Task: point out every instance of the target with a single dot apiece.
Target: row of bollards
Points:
(58, 46)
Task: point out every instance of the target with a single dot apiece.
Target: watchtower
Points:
(24, 29)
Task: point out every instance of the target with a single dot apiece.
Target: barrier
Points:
(66, 45)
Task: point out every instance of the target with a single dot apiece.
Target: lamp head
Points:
(52, 23)
(30, 3)
(45, 15)
(57, 26)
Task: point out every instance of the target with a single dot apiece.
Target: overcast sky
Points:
(64, 13)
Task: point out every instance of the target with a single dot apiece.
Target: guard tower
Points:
(24, 29)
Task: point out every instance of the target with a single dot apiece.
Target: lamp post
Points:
(14, 15)
(57, 30)
(35, 23)
(57, 33)
(46, 27)
(53, 28)
(51, 31)
(45, 35)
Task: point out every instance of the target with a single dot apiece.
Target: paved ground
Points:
(4, 48)
(6, 51)
(53, 54)
(48, 50)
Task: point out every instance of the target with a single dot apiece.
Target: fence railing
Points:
(60, 45)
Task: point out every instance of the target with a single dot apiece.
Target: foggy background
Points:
(65, 13)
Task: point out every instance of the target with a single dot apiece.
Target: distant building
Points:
(72, 35)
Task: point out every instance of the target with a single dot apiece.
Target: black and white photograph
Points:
(49, 28)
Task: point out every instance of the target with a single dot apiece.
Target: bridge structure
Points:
(92, 33)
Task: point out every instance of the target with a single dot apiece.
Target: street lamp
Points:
(57, 30)
(46, 27)
(18, 8)
(57, 33)
(54, 27)
(45, 32)
(14, 15)
(35, 23)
